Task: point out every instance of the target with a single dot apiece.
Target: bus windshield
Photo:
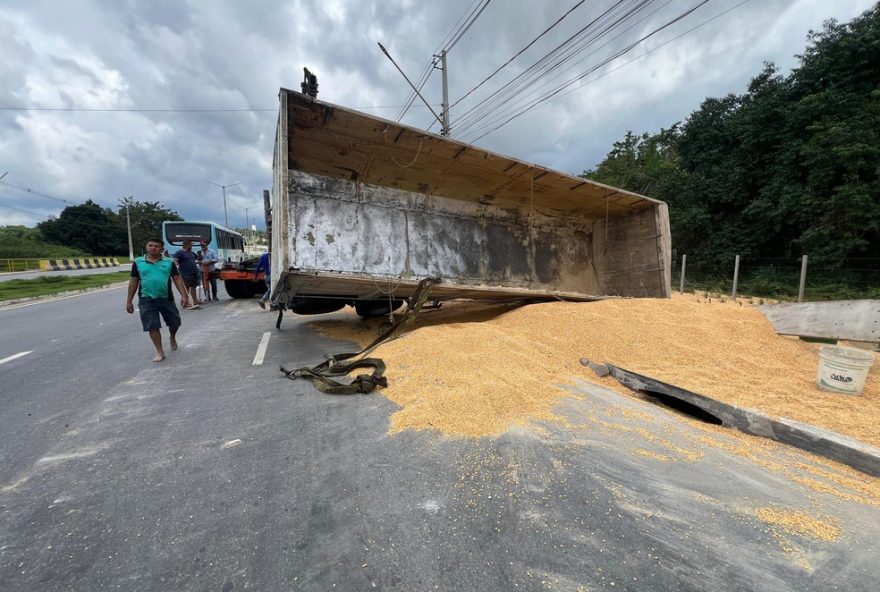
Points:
(175, 234)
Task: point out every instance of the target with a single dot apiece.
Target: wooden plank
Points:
(851, 320)
(352, 124)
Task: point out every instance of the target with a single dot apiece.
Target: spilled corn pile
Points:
(473, 369)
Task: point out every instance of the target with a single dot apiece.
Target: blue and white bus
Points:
(233, 266)
(228, 244)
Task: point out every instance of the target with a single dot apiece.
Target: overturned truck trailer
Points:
(364, 208)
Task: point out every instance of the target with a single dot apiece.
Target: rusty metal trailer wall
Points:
(353, 220)
(344, 226)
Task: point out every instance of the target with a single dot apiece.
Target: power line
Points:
(423, 79)
(517, 54)
(168, 110)
(650, 51)
(457, 26)
(545, 64)
(598, 28)
(429, 69)
(135, 110)
(472, 21)
(514, 96)
(25, 211)
(570, 82)
(32, 192)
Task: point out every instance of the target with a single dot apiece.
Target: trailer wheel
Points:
(236, 289)
(258, 288)
(375, 308)
(305, 305)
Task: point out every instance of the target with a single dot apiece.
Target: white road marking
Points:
(71, 455)
(15, 357)
(261, 350)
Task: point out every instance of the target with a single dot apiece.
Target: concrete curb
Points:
(59, 295)
(858, 455)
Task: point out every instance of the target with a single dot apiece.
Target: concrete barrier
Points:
(77, 263)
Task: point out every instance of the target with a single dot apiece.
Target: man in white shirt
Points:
(208, 259)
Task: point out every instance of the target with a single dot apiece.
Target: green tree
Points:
(790, 167)
(87, 227)
(146, 221)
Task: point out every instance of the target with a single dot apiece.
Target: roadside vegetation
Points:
(19, 242)
(774, 286)
(55, 284)
(790, 167)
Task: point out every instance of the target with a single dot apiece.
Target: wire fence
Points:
(780, 278)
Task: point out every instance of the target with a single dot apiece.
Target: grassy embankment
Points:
(55, 284)
(21, 249)
(784, 287)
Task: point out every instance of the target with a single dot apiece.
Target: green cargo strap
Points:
(363, 383)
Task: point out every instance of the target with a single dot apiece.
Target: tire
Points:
(304, 305)
(236, 289)
(375, 308)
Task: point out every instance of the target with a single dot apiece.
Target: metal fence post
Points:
(803, 285)
(683, 266)
(735, 277)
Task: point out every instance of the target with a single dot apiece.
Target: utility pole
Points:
(445, 131)
(128, 223)
(223, 187)
(413, 86)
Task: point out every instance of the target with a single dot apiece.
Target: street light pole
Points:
(223, 187)
(128, 223)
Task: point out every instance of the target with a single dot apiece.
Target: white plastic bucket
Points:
(843, 369)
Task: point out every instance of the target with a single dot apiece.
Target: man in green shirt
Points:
(151, 277)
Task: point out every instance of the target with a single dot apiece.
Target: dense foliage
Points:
(23, 242)
(87, 227)
(790, 167)
(100, 231)
(146, 221)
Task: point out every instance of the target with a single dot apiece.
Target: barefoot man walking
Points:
(151, 277)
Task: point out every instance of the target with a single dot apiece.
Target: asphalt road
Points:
(207, 472)
(29, 275)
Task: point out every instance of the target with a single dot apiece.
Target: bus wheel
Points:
(236, 288)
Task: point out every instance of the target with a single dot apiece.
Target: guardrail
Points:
(77, 263)
(62, 264)
(28, 264)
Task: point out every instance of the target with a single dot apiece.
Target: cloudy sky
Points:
(155, 98)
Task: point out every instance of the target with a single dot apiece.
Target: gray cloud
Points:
(168, 54)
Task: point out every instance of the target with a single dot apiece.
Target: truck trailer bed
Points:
(362, 205)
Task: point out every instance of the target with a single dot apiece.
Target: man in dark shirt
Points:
(189, 270)
(264, 265)
(151, 278)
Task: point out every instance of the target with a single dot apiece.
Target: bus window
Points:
(175, 234)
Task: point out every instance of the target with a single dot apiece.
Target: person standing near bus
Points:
(264, 265)
(189, 269)
(151, 277)
(208, 260)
